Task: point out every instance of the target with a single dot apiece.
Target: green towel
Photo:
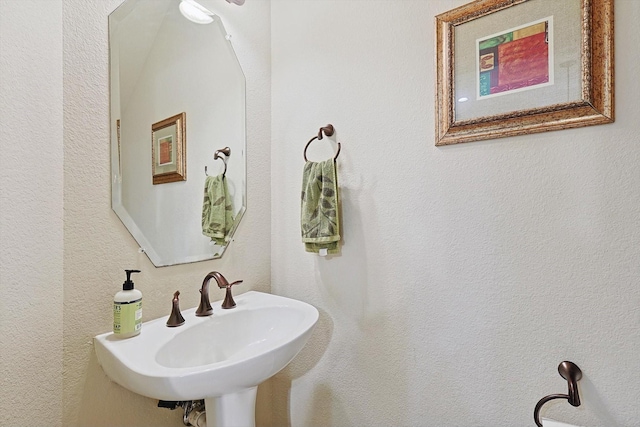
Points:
(217, 210)
(319, 211)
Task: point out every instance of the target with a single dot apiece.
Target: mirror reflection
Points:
(177, 129)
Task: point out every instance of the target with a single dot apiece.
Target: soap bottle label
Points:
(127, 316)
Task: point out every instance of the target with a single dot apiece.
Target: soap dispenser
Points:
(127, 309)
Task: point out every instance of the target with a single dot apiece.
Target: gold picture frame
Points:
(472, 39)
(168, 150)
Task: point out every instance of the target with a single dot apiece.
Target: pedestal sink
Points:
(220, 358)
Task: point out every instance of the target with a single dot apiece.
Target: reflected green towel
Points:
(319, 211)
(217, 210)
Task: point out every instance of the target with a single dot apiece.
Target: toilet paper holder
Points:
(570, 372)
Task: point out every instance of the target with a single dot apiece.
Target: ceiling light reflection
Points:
(195, 12)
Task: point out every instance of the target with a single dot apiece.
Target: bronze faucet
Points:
(205, 309)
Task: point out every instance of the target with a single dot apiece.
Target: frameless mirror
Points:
(177, 98)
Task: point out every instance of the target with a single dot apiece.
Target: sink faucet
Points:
(204, 309)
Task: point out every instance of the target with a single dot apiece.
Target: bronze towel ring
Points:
(218, 155)
(328, 130)
(570, 372)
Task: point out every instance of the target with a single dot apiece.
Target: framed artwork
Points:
(169, 149)
(512, 67)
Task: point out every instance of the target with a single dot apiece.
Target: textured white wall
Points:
(31, 213)
(468, 273)
(98, 247)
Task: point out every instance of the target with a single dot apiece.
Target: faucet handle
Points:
(229, 285)
(175, 319)
(228, 298)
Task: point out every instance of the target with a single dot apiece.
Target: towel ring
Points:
(226, 151)
(328, 130)
(570, 372)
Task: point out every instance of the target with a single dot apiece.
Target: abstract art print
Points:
(165, 153)
(518, 59)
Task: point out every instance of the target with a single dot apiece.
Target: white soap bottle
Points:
(127, 309)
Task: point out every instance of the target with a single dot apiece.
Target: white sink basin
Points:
(224, 356)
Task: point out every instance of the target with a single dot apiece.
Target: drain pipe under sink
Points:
(194, 411)
(197, 417)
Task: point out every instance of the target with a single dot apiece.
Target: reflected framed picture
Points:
(513, 67)
(168, 150)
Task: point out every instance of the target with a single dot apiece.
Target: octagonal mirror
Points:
(178, 151)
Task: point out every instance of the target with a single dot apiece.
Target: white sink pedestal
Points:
(233, 409)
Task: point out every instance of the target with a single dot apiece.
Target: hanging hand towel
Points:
(217, 210)
(319, 211)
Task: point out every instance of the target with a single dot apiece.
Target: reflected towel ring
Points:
(218, 154)
(328, 130)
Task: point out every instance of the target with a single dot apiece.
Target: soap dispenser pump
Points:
(127, 309)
